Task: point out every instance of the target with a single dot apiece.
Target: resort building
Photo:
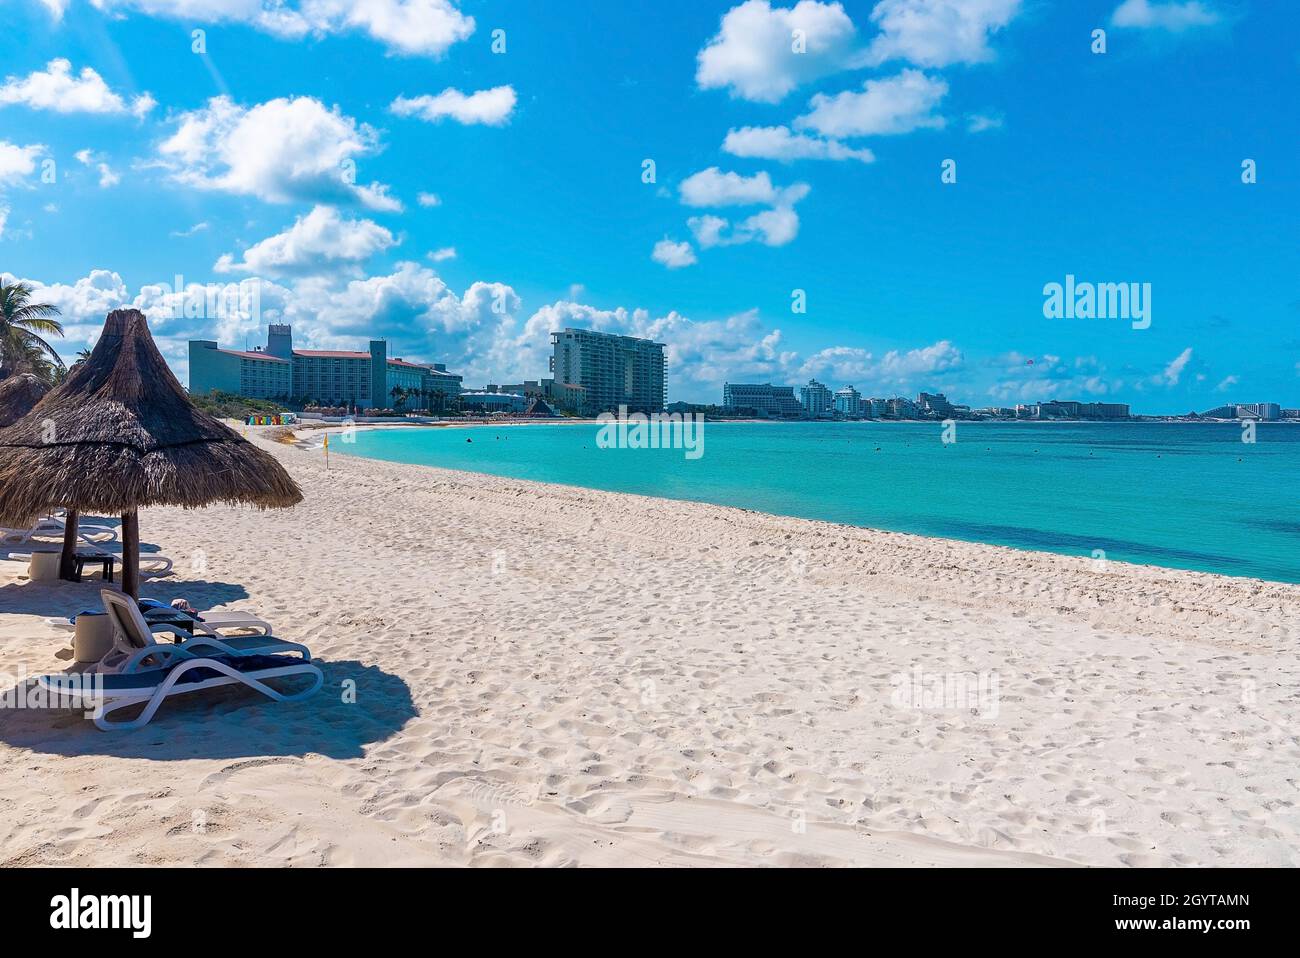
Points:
(1267, 411)
(875, 408)
(902, 408)
(848, 403)
(489, 402)
(333, 377)
(818, 403)
(611, 370)
(1065, 409)
(766, 400)
(935, 403)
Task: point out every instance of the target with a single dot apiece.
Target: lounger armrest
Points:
(165, 653)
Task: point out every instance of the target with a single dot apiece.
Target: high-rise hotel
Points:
(610, 370)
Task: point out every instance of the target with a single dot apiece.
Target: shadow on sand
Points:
(69, 598)
(231, 722)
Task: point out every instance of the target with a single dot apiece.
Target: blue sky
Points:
(375, 167)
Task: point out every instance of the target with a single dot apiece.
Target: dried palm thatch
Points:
(120, 434)
(19, 396)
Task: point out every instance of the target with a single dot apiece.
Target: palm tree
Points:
(34, 360)
(22, 324)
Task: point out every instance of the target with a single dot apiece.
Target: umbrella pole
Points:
(131, 554)
(67, 567)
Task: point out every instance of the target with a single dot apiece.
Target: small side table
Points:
(84, 559)
(94, 637)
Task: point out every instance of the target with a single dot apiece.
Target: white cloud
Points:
(318, 241)
(410, 27)
(107, 176)
(754, 52)
(937, 33)
(1227, 383)
(712, 187)
(778, 143)
(488, 107)
(57, 89)
(18, 162)
(1174, 371)
(898, 104)
(894, 370)
(281, 151)
(84, 304)
(56, 8)
(1170, 16)
(193, 230)
(708, 230)
(1039, 378)
(775, 227)
(4, 218)
(428, 199)
(441, 255)
(979, 122)
(673, 255)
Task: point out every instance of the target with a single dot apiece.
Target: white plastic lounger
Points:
(213, 624)
(155, 686)
(150, 565)
(135, 648)
(52, 528)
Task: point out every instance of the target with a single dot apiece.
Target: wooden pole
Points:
(131, 554)
(67, 567)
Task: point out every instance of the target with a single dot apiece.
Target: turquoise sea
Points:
(1182, 495)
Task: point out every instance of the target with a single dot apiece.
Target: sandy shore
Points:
(552, 676)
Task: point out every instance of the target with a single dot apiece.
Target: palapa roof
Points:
(19, 396)
(120, 434)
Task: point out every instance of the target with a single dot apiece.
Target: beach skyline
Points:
(877, 203)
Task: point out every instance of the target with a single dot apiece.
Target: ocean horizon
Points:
(1179, 495)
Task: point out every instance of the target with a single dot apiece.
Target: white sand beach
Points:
(553, 676)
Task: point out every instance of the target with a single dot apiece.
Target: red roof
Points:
(330, 354)
(243, 355)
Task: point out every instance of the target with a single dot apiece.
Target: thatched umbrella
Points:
(120, 434)
(19, 396)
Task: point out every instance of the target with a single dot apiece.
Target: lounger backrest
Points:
(130, 631)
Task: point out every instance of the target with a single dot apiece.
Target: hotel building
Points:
(818, 403)
(773, 402)
(848, 403)
(610, 370)
(936, 403)
(332, 377)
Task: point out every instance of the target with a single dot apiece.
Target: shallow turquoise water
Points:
(1183, 495)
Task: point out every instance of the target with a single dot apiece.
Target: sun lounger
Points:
(153, 687)
(151, 565)
(52, 528)
(135, 647)
(212, 623)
